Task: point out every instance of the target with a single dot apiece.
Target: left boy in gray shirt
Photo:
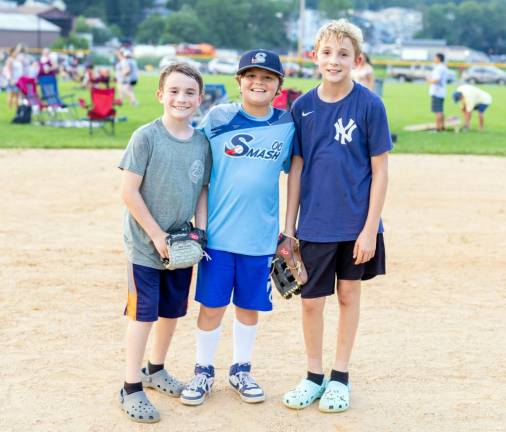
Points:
(166, 169)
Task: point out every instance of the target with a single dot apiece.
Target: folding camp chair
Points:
(286, 98)
(28, 88)
(214, 94)
(101, 111)
(51, 97)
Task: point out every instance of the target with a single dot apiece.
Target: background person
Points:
(473, 99)
(13, 71)
(47, 65)
(364, 72)
(437, 90)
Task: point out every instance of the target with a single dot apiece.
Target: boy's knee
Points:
(246, 316)
(313, 305)
(211, 314)
(348, 293)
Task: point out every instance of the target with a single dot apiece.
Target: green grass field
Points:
(406, 104)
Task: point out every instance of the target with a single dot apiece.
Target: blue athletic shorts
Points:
(437, 104)
(248, 277)
(481, 108)
(154, 293)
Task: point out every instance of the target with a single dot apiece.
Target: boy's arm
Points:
(138, 209)
(365, 245)
(293, 195)
(201, 210)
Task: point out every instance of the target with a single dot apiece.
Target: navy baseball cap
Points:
(262, 59)
(457, 96)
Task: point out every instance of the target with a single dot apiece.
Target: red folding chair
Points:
(286, 98)
(101, 109)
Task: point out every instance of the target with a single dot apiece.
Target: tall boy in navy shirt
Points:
(339, 179)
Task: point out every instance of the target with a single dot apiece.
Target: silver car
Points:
(484, 75)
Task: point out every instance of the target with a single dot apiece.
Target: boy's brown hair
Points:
(183, 68)
(340, 29)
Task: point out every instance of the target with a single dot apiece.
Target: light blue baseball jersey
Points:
(248, 155)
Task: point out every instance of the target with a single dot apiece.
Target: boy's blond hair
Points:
(339, 30)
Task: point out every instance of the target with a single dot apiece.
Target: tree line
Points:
(242, 24)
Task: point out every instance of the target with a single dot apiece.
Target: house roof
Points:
(22, 22)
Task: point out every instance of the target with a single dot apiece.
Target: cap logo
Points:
(259, 57)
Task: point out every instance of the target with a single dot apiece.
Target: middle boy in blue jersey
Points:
(251, 143)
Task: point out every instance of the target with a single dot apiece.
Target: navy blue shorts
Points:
(480, 108)
(327, 261)
(154, 293)
(437, 104)
(247, 277)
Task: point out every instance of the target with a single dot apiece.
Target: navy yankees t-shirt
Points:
(336, 141)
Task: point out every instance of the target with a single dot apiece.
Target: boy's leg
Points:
(481, 120)
(320, 262)
(163, 332)
(467, 119)
(348, 294)
(207, 338)
(240, 378)
(252, 293)
(142, 309)
(214, 287)
(337, 393)
(245, 327)
(208, 333)
(136, 337)
(312, 325)
(173, 304)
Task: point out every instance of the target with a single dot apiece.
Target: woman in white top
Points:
(364, 72)
(13, 71)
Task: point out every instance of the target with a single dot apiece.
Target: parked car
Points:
(294, 70)
(173, 59)
(417, 72)
(222, 66)
(484, 75)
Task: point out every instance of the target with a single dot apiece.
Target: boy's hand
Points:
(161, 244)
(365, 247)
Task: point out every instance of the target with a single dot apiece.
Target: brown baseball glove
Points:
(288, 271)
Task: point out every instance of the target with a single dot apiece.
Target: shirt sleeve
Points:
(136, 156)
(205, 124)
(379, 139)
(208, 164)
(288, 160)
(296, 142)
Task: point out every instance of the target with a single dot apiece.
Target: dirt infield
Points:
(430, 355)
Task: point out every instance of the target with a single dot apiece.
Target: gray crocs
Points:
(163, 382)
(138, 407)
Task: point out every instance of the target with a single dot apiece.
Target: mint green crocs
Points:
(304, 394)
(336, 397)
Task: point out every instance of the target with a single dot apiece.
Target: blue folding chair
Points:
(51, 97)
(214, 94)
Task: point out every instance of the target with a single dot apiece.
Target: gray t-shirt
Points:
(174, 172)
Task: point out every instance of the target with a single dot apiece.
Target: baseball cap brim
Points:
(260, 67)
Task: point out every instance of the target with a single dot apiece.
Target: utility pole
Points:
(300, 44)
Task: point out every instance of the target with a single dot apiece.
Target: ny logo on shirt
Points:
(343, 133)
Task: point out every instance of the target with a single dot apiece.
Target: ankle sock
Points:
(341, 377)
(316, 378)
(132, 387)
(154, 368)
